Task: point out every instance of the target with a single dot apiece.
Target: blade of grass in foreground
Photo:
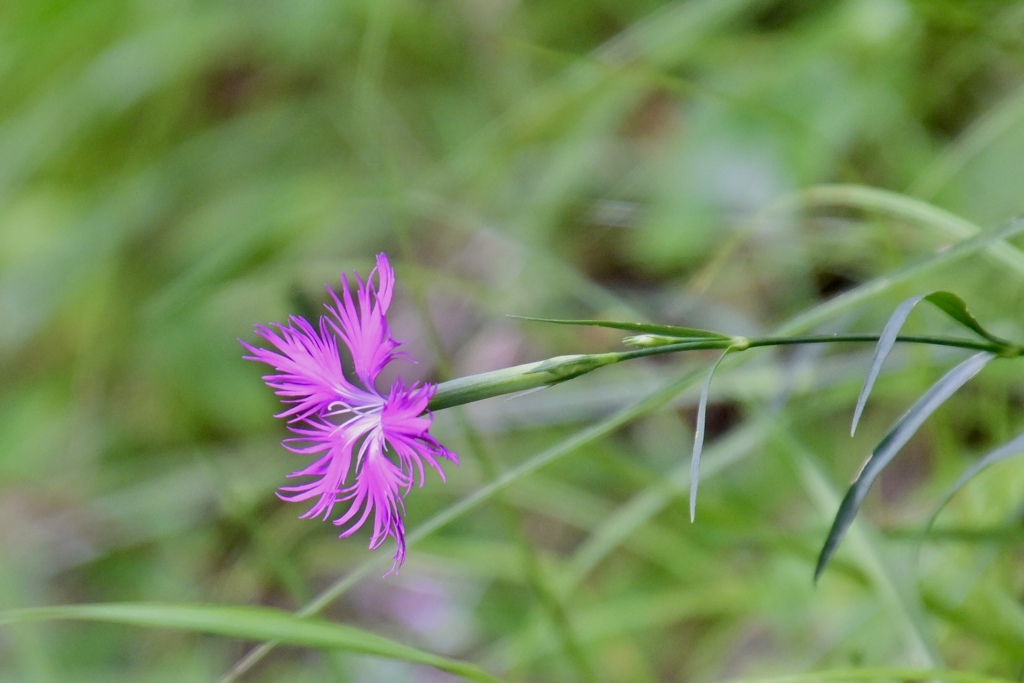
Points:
(881, 674)
(250, 623)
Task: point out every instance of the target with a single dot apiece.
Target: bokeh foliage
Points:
(173, 172)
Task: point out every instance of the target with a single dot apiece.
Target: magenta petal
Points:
(361, 322)
(377, 492)
(381, 444)
(309, 372)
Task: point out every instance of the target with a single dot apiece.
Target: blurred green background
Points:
(173, 172)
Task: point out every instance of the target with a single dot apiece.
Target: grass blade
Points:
(250, 623)
(993, 241)
(887, 448)
(1011, 448)
(916, 212)
(879, 674)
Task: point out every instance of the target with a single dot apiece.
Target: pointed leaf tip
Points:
(885, 343)
(698, 436)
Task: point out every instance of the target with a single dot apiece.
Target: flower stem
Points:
(562, 368)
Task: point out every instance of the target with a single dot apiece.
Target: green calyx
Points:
(518, 378)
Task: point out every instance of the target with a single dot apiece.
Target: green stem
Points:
(561, 368)
(960, 343)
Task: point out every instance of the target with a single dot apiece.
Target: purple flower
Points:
(368, 447)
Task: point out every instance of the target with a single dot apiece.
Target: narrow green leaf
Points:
(698, 436)
(890, 445)
(956, 308)
(250, 623)
(640, 328)
(948, 303)
(1011, 448)
(885, 343)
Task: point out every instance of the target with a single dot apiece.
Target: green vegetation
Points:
(173, 172)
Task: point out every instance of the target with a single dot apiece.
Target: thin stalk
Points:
(562, 368)
(971, 344)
